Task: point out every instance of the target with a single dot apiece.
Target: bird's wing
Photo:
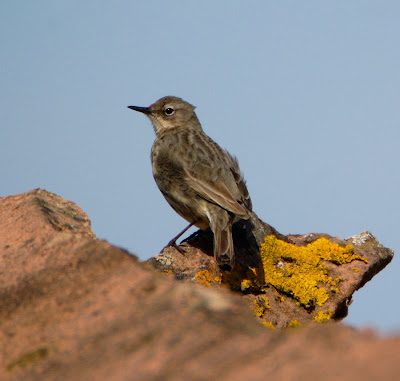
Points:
(217, 193)
(241, 185)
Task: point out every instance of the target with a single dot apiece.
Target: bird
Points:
(201, 181)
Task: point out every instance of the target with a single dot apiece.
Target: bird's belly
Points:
(182, 198)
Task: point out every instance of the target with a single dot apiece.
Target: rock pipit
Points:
(201, 181)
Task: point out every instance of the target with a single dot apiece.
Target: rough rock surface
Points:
(296, 295)
(76, 308)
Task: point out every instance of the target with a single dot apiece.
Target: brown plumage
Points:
(201, 181)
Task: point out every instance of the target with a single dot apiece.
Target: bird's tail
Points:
(224, 253)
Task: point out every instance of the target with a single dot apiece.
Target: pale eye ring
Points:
(169, 111)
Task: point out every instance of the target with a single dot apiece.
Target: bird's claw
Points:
(172, 243)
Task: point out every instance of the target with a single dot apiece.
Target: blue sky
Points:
(305, 94)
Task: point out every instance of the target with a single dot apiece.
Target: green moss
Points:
(29, 358)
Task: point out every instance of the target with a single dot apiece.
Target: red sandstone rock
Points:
(278, 307)
(76, 308)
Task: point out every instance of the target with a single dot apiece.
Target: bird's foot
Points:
(173, 243)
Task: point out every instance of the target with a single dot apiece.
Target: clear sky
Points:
(306, 95)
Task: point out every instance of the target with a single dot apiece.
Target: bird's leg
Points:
(173, 240)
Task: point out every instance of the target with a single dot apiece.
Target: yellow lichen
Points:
(299, 271)
(206, 279)
(332, 252)
(267, 324)
(246, 284)
(251, 282)
(260, 305)
(294, 324)
(355, 269)
(323, 316)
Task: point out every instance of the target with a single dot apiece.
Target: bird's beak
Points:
(144, 110)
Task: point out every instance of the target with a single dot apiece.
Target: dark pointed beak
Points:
(144, 110)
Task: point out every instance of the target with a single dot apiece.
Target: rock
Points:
(73, 307)
(296, 280)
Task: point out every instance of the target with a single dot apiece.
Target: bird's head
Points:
(168, 113)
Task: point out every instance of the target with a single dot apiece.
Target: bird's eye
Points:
(169, 111)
